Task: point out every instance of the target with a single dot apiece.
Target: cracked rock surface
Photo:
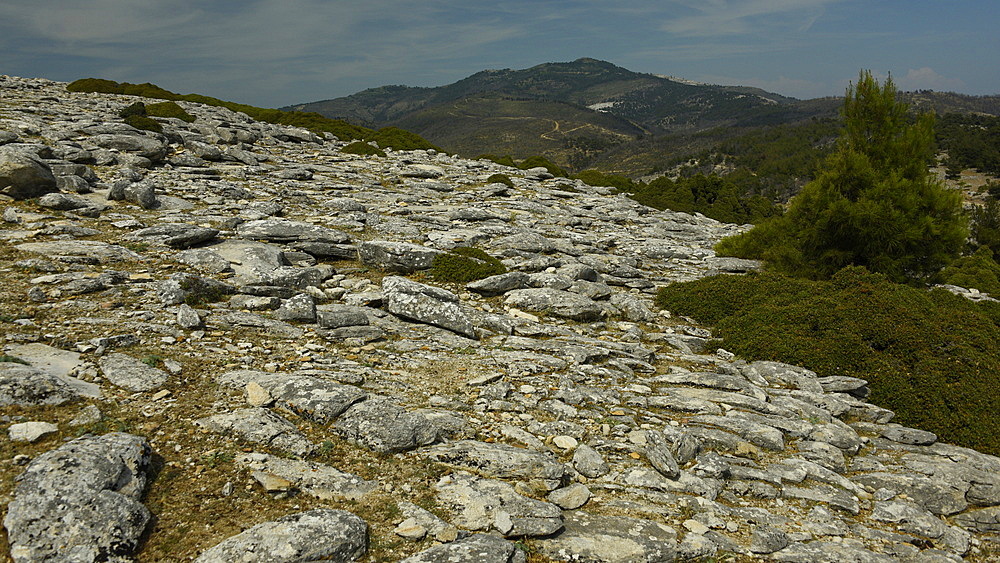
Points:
(237, 354)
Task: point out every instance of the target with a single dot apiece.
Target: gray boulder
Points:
(478, 548)
(80, 502)
(556, 302)
(426, 304)
(176, 235)
(402, 257)
(498, 460)
(310, 397)
(129, 373)
(610, 539)
(382, 425)
(274, 229)
(319, 534)
(28, 386)
(500, 283)
(63, 202)
(316, 479)
(484, 504)
(22, 176)
(259, 426)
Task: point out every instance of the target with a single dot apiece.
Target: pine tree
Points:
(873, 203)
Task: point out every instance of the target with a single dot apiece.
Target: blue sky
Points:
(279, 52)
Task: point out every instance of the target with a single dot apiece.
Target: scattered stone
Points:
(30, 431)
(132, 374)
(318, 480)
(321, 533)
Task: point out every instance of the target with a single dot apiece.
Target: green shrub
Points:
(598, 178)
(505, 160)
(145, 123)
(500, 179)
(169, 109)
(536, 161)
(465, 264)
(138, 108)
(979, 271)
(400, 139)
(362, 148)
(928, 355)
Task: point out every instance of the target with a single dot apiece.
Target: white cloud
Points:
(713, 18)
(925, 78)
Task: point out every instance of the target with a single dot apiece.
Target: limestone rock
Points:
(321, 533)
(481, 548)
(80, 502)
(617, 539)
(396, 256)
(129, 373)
(426, 304)
(259, 426)
(23, 176)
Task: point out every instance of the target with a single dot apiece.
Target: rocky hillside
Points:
(228, 342)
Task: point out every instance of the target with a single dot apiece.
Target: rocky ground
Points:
(222, 343)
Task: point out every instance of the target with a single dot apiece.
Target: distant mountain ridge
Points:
(575, 112)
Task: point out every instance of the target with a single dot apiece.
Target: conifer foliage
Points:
(872, 204)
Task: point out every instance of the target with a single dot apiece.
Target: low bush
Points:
(144, 123)
(362, 148)
(928, 355)
(979, 271)
(541, 161)
(465, 264)
(138, 108)
(169, 109)
(500, 179)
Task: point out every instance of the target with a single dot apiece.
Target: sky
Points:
(273, 53)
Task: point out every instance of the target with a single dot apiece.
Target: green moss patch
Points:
(465, 264)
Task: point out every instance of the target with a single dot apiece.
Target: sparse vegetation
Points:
(500, 179)
(169, 109)
(12, 359)
(362, 148)
(465, 264)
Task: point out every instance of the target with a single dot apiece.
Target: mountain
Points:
(592, 113)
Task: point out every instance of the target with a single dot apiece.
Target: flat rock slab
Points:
(316, 479)
(310, 397)
(400, 257)
(426, 304)
(176, 235)
(320, 534)
(102, 251)
(610, 539)
(28, 386)
(498, 460)
(129, 373)
(259, 426)
(485, 504)
(555, 302)
(384, 426)
(80, 502)
(477, 548)
(285, 230)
